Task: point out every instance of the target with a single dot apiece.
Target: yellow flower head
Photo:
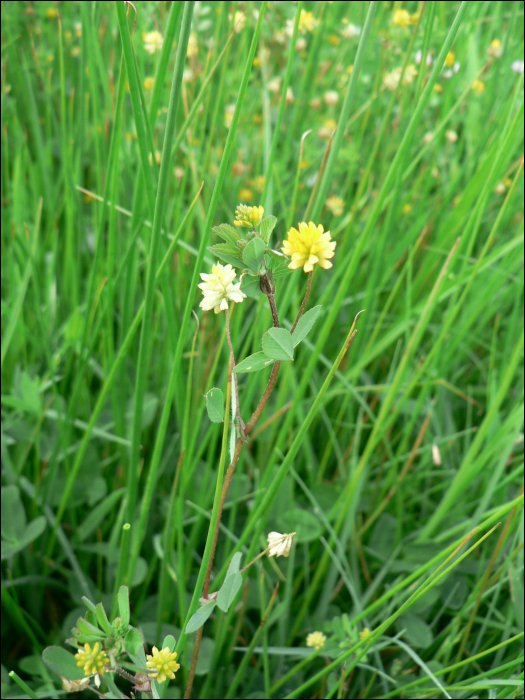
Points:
(152, 42)
(93, 660)
(364, 634)
(307, 22)
(402, 18)
(308, 246)
(478, 86)
(51, 12)
(450, 59)
(336, 205)
(495, 49)
(193, 45)
(218, 288)
(149, 83)
(246, 194)
(164, 664)
(248, 217)
(316, 639)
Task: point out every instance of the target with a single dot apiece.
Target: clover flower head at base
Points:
(163, 664)
(308, 246)
(218, 288)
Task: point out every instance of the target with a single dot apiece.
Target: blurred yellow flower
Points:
(364, 634)
(335, 204)
(307, 22)
(495, 49)
(401, 18)
(149, 83)
(239, 20)
(438, 88)
(309, 246)
(258, 182)
(92, 660)
(334, 40)
(316, 640)
(193, 46)
(246, 194)
(51, 12)
(228, 115)
(163, 664)
(451, 136)
(152, 42)
(407, 208)
(326, 131)
(315, 102)
(450, 59)
(76, 50)
(478, 86)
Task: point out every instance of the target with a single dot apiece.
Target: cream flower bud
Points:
(279, 545)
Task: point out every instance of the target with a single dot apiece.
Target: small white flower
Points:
(279, 545)
(217, 288)
(419, 56)
(350, 31)
(436, 455)
(517, 67)
(331, 97)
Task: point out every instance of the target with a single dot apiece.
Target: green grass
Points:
(398, 462)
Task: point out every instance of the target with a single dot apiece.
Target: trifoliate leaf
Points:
(253, 363)
(253, 255)
(277, 344)
(267, 226)
(227, 233)
(228, 253)
(305, 324)
(215, 405)
(251, 287)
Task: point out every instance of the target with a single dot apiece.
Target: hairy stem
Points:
(303, 305)
(235, 384)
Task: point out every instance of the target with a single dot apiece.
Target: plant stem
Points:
(303, 305)
(228, 336)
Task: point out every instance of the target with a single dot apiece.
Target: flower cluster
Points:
(163, 664)
(316, 640)
(218, 288)
(309, 246)
(92, 660)
(248, 217)
(279, 545)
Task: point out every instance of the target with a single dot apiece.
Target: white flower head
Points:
(351, 30)
(279, 545)
(517, 66)
(218, 288)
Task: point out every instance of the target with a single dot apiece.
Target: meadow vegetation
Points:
(317, 490)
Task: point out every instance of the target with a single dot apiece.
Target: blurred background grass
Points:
(419, 437)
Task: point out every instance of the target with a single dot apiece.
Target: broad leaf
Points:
(215, 405)
(251, 287)
(305, 324)
(229, 590)
(196, 621)
(234, 564)
(227, 253)
(253, 255)
(277, 344)
(227, 233)
(267, 226)
(253, 363)
(133, 641)
(62, 662)
(123, 604)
